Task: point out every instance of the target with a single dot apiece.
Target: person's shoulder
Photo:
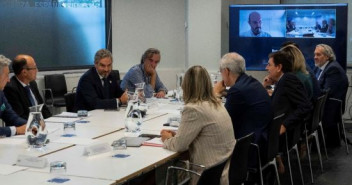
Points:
(12, 85)
(265, 34)
(247, 33)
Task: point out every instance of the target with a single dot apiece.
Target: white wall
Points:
(138, 25)
(204, 33)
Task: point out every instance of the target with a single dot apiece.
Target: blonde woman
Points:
(206, 128)
(299, 68)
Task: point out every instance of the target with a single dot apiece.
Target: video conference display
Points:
(59, 34)
(257, 30)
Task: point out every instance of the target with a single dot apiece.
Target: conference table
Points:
(99, 128)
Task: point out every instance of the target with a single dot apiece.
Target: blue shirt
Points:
(137, 75)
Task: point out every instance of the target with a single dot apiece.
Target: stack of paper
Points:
(154, 142)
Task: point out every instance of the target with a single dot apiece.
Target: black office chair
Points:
(311, 131)
(55, 89)
(210, 175)
(117, 74)
(340, 122)
(239, 160)
(70, 101)
(291, 144)
(267, 154)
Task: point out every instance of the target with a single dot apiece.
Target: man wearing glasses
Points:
(22, 91)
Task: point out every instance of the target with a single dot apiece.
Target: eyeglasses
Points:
(31, 68)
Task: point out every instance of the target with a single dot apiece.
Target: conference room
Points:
(187, 33)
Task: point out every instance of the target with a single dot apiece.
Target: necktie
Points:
(106, 87)
(28, 91)
(318, 73)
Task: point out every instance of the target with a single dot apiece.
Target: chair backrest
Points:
(70, 99)
(212, 174)
(239, 160)
(57, 84)
(117, 74)
(273, 137)
(317, 113)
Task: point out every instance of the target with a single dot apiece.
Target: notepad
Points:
(154, 142)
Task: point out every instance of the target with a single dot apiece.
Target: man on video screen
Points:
(255, 22)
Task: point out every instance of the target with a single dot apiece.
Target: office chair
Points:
(70, 101)
(239, 160)
(55, 89)
(117, 74)
(311, 131)
(267, 155)
(340, 123)
(210, 175)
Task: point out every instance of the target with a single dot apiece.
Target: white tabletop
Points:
(35, 178)
(103, 127)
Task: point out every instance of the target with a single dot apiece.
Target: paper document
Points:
(67, 115)
(154, 142)
(61, 119)
(9, 169)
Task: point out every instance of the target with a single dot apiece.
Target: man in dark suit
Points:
(22, 91)
(6, 112)
(247, 101)
(289, 96)
(330, 76)
(98, 87)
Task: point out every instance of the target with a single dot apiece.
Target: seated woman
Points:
(299, 68)
(206, 128)
(289, 96)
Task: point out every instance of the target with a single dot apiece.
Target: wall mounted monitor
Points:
(59, 34)
(257, 30)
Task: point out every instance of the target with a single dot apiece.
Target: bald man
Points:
(22, 91)
(255, 22)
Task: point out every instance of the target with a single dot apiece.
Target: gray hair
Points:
(4, 62)
(102, 53)
(327, 51)
(149, 54)
(234, 62)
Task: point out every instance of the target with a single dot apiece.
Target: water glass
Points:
(70, 128)
(120, 144)
(139, 91)
(58, 167)
(82, 113)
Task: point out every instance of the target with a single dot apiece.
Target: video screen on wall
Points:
(59, 34)
(257, 30)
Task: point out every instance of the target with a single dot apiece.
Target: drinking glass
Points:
(139, 91)
(36, 132)
(69, 129)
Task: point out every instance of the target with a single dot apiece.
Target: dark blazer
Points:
(8, 116)
(334, 78)
(17, 97)
(290, 97)
(249, 106)
(90, 93)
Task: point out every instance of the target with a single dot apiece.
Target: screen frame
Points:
(340, 39)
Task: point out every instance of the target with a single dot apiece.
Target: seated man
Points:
(145, 72)
(22, 91)
(330, 76)
(6, 112)
(247, 101)
(98, 87)
(289, 97)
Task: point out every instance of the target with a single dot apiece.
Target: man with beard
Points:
(255, 22)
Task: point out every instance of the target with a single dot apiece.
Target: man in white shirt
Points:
(255, 22)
